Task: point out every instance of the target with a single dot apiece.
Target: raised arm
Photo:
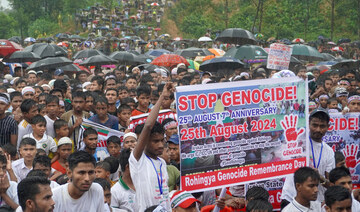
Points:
(149, 123)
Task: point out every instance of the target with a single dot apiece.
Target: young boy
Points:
(107, 194)
(90, 140)
(16, 99)
(8, 195)
(102, 117)
(43, 164)
(102, 170)
(65, 146)
(22, 166)
(43, 141)
(306, 181)
(52, 108)
(143, 97)
(341, 176)
(124, 114)
(8, 126)
(123, 192)
(338, 198)
(113, 146)
(61, 130)
(29, 109)
(332, 104)
(146, 166)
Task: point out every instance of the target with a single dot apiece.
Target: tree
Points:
(7, 25)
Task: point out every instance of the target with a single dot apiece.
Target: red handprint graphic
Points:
(350, 153)
(289, 125)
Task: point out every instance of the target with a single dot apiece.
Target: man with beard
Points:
(35, 195)
(80, 194)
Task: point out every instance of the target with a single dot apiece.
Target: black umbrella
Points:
(346, 64)
(328, 56)
(125, 57)
(144, 58)
(193, 52)
(86, 53)
(307, 53)
(221, 63)
(22, 56)
(98, 60)
(47, 50)
(50, 63)
(70, 67)
(236, 36)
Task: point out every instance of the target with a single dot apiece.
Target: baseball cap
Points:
(320, 110)
(174, 139)
(64, 140)
(58, 72)
(182, 199)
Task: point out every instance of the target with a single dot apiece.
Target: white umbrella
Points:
(204, 39)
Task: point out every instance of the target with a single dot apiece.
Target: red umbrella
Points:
(8, 47)
(154, 4)
(157, 29)
(337, 49)
(169, 60)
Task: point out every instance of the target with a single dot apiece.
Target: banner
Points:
(344, 135)
(279, 56)
(140, 119)
(236, 133)
(103, 134)
(274, 188)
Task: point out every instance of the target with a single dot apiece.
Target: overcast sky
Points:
(5, 4)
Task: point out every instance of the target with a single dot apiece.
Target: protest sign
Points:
(279, 56)
(140, 119)
(103, 134)
(344, 135)
(236, 133)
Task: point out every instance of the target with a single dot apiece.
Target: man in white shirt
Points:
(22, 166)
(148, 171)
(321, 155)
(52, 108)
(81, 194)
(306, 183)
(35, 195)
(338, 198)
(341, 176)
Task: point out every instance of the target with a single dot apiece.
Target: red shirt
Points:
(137, 112)
(57, 166)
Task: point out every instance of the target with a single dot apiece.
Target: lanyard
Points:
(312, 150)
(160, 182)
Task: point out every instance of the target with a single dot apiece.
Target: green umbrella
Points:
(308, 53)
(248, 53)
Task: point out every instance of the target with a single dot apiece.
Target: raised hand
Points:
(289, 125)
(350, 153)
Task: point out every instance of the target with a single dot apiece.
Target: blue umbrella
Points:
(157, 52)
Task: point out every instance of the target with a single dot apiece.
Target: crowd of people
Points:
(50, 162)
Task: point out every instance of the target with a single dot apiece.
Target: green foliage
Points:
(7, 25)
(42, 27)
(290, 19)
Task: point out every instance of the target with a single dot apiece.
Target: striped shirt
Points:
(8, 127)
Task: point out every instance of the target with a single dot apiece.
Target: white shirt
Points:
(90, 201)
(53, 184)
(20, 170)
(23, 128)
(327, 163)
(12, 193)
(294, 206)
(46, 143)
(146, 182)
(50, 126)
(122, 197)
